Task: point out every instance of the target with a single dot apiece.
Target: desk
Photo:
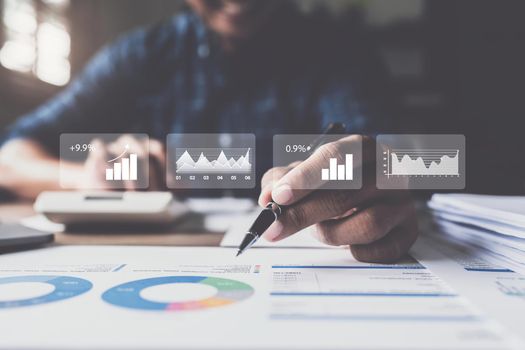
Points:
(14, 211)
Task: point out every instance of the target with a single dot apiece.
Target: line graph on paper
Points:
(421, 162)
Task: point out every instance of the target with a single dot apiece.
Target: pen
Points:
(272, 211)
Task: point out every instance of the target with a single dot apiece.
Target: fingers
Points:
(365, 226)
(306, 175)
(266, 195)
(378, 225)
(276, 173)
(317, 207)
(391, 247)
(270, 176)
(268, 180)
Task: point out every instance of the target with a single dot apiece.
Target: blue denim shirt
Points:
(296, 76)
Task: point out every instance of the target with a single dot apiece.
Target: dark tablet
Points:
(15, 235)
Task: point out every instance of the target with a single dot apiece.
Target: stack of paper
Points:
(493, 223)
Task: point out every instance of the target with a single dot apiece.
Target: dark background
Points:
(456, 66)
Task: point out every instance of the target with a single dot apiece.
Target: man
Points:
(233, 66)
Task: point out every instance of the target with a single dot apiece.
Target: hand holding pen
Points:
(378, 225)
(272, 210)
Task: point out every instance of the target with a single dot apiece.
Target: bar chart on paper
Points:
(339, 171)
(125, 169)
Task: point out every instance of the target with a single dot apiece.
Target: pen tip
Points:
(239, 252)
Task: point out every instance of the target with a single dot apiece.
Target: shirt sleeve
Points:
(99, 100)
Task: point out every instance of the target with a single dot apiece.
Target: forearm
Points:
(27, 169)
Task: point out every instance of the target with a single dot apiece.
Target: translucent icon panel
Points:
(420, 161)
(336, 160)
(210, 161)
(104, 161)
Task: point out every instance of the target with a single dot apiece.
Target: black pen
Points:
(272, 211)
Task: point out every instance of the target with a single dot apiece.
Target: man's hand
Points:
(27, 169)
(378, 225)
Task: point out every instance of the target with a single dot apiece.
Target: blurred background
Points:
(458, 60)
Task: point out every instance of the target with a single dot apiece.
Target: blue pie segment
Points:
(65, 287)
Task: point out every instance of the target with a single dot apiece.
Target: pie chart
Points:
(54, 288)
(200, 292)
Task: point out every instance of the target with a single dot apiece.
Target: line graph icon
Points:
(210, 161)
(420, 162)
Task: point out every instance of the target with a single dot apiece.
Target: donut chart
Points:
(65, 287)
(128, 295)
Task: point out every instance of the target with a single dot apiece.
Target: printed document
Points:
(103, 297)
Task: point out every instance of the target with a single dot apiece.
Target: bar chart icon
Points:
(339, 172)
(336, 171)
(124, 157)
(126, 169)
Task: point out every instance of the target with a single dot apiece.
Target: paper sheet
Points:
(494, 225)
(167, 297)
(495, 288)
(505, 250)
(494, 211)
(302, 239)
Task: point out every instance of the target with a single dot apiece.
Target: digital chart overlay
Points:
(219, 161)
(128, 295)
(125, 158)
(237, 161)
(420, 161)
(65, 287)
(343, 172)
(431, 162)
